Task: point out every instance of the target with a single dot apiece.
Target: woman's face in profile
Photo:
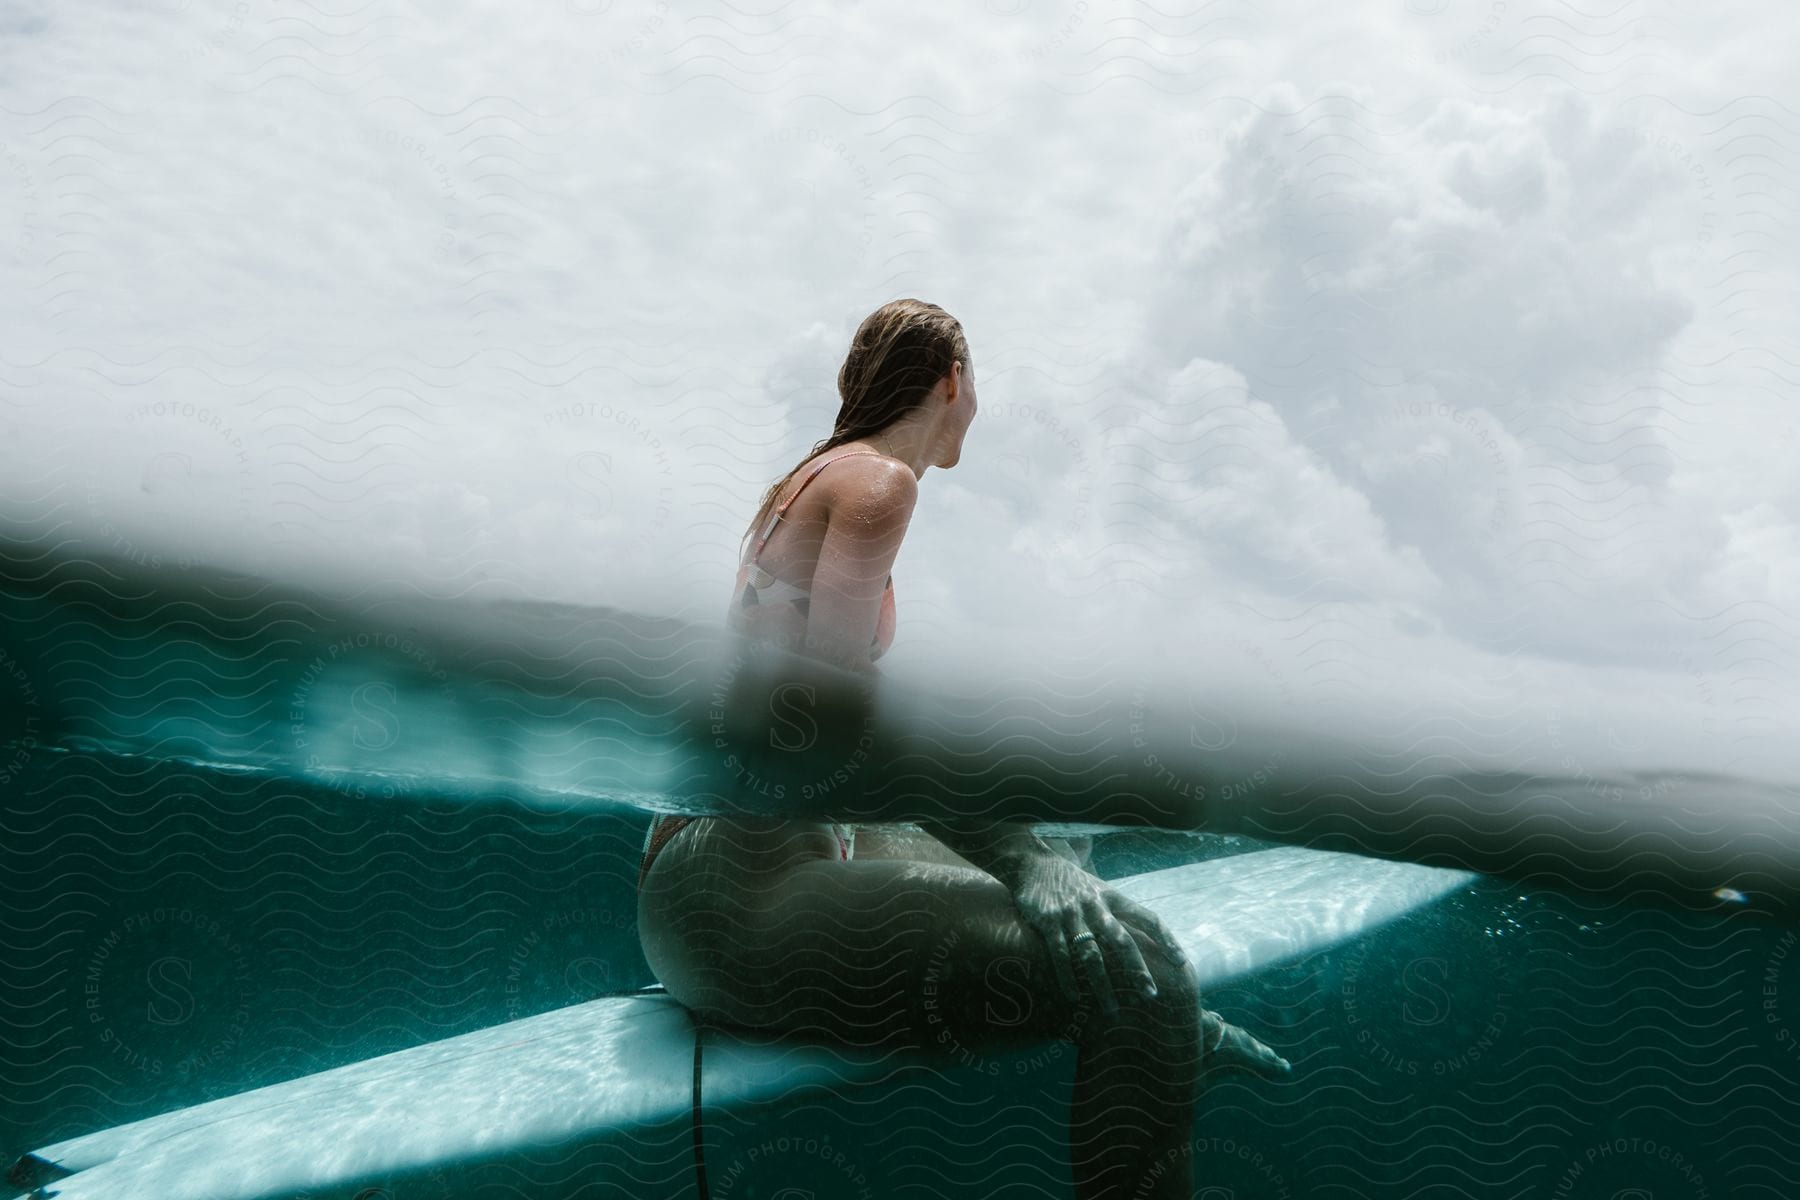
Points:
(961, 416)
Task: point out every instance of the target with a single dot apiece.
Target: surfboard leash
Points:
(699, 1119)
(700, 1024)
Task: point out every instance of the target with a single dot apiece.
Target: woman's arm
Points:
(1050, 887)
(1091, 930)
(1086, 924)
(865, 524)
(1001, 848)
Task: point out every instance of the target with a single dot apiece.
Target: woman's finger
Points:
(1128, 961)
(1151, 924)
(1061, 959)
(1145, 938)
(1085, 944)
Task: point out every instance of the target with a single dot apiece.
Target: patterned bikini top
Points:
(757, 587)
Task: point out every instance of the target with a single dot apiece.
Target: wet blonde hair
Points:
(896, 357)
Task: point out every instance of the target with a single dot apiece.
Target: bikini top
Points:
(757, 586)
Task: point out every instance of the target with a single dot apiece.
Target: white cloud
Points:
(1408, 344)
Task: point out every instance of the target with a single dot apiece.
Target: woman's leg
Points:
(877, 949)
(904, 842)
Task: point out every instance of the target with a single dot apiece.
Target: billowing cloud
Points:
(1402, 344)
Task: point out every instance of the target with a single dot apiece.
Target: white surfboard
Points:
(611, 1081)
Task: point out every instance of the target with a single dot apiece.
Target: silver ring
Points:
(1084, 936)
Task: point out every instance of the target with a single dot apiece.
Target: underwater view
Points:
(249, 840)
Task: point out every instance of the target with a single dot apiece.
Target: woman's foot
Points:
(1228, 1045)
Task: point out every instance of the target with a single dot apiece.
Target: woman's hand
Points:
(1091, 930)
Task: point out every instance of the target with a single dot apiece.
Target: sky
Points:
(1424, 363)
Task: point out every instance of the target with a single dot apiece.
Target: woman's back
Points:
(773, 596)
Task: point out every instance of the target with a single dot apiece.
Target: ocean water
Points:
(245, 840)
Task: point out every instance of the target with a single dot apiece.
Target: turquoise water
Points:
(234, 854)
(177, 933)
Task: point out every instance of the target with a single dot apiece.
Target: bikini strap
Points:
(768, 528)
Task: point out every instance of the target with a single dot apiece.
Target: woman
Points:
(791, 924)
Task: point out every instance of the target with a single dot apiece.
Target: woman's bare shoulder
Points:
(871, 485)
